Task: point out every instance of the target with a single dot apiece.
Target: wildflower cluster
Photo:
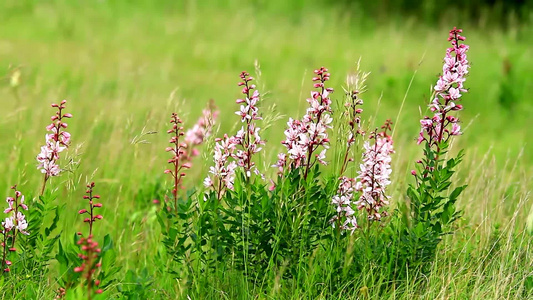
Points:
(199, 132)
(92, 217)
(240, 147)
(91, 263)
(303, 137)
(248, 137)
(343, 200)
(223, 172)
(448, 89)
(345, 218)
(12, 224)
(374, 173)
(56, 142)
(432, 198)
(370, 184)
(177, 149)
(91, 251)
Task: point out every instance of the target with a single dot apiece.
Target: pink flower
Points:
(374, 174)
(222, 173)
(92, 206)
(22, 224)
(17, 220)
(247, 138)
(344, 218)
(281, 163)
(448, 90)
(56, 142)
(303, 137)
(8, 224)
(237, 151)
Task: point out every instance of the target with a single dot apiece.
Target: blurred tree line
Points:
(496, 12)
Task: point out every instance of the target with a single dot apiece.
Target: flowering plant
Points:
(431, 210)
(16, 222)
(305, 136)
(90, 262)
(56, 142)
(237, 151)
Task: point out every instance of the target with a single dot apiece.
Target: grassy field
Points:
(125, 68)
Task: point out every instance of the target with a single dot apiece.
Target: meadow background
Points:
(124, 66)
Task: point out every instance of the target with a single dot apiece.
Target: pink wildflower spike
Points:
(241, 147)
(177, 149)
(56, 142)
(222, 174)
(345, 215)
(90, 250)
(248, 138)
(12, 225)
(195, 136)
(374, 174)
(303, 137)
(345, 218)
(90, 263)
(448, 91)
(92, 217)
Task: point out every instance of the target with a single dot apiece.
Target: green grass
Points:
(124, 68)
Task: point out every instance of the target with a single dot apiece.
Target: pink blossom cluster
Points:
(89, 247)
(223, 172)
(200, 131)
(92, 216)
(56, 142)
(447, 92)
(91, 263)
(13, 224)
(374, 175)
(303, 137)
(345, 218)
(247, 138)
(237, 151)
(343, 201)
(17, 220)
(178, 151)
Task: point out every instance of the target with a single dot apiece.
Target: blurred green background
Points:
(126, 65)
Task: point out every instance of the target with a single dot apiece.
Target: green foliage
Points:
(431, 209)
(251, 229)
(137, 285)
